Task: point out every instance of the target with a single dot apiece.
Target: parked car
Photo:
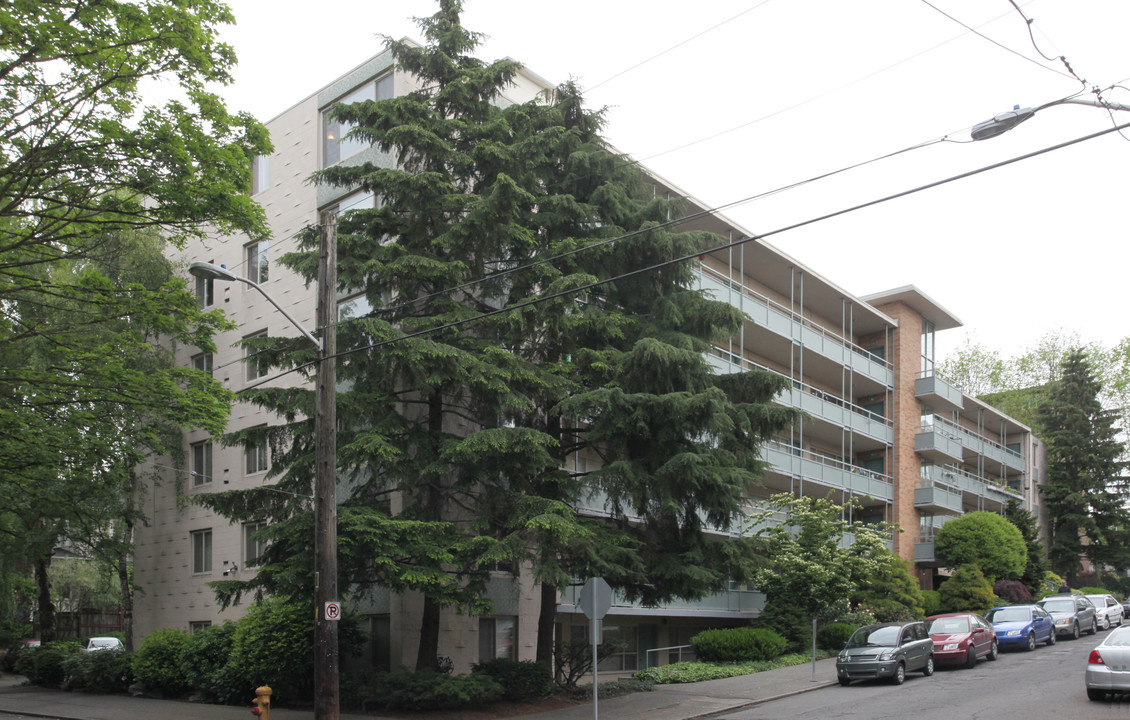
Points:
(103, 643)
(1072, 614)
(961, 638)
(8, 660)
(1108, 667)
(1021, 626)
(1107, 609)
(890, 650)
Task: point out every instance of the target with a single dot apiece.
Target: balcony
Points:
(924, 550)
(937, 499)
(827, 471)
(938, 443)
(729, 604)
(970, 443)
(940, 393)
(777, 318)
(977, 492)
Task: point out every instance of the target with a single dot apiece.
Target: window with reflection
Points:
(336, 145)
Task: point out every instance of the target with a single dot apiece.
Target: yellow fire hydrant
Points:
(262, 703)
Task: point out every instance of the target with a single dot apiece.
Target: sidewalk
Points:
(666, 702)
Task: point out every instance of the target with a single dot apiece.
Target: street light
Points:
(1006, 121)
(326, 674)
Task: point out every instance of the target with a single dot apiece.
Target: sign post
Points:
(596, 599)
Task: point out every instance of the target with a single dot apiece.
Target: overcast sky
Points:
(730, 99)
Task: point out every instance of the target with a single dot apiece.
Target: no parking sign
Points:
(333, 611)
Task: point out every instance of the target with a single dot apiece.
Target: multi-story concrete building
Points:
(880, 427)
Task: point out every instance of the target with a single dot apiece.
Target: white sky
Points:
(813, 86)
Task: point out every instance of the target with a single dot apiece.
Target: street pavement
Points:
(666, 702)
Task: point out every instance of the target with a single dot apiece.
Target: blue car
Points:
(1021, 626)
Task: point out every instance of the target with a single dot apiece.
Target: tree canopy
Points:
(986, 540)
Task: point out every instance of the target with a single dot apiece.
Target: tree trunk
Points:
(429, 636)
(546, 621)
(46, 607)
(126, 585)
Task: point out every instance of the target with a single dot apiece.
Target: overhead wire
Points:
(700, 253)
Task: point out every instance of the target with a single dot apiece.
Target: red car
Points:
(961, 638)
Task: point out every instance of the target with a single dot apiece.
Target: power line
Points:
(719, 248)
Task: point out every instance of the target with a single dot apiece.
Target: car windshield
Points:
(949, 626)
(1063, 606)
(882, 635)
(1098, 601)
(1003, 615)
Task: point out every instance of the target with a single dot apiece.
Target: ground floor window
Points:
(622, 640)
(497, 638)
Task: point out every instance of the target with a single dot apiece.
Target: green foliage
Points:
(984, 539)
(1085, 489)
(204, 660)
(1035, 565)
(521, 680)
(613, 688)
(81, 583)
(1091, 590)
(105, 671)
(889, 591)
(157, 663)
(273, 630)
(967, 590)
(833, 636)
(738, 644)
(44, 666)
(418, 691)
(692, 672)
(931, 602)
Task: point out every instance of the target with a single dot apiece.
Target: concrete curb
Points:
(759, 701)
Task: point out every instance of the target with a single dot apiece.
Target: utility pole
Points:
(326, 695)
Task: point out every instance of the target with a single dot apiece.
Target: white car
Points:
(103, 643)
(1108, 611)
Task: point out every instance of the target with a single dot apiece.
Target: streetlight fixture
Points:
(1006, 121)
(326, 671)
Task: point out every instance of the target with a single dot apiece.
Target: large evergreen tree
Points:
(1084, 492)
(462, 413)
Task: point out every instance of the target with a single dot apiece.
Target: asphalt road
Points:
(1045, 683)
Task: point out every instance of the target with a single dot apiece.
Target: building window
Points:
(927, 348)
(253, 370)
(205, 294)
(497, 638)
(198, 626)
(256, 256)
(253, 547)
(255, 457)
(202, 362)
(335, 145)
(626, 637)
(202, 551)
(201, 463)
(260, 173)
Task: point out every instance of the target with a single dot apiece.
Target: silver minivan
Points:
(890, 650)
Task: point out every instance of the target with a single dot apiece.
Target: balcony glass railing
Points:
(744, 364)
(965, 436)
(828, 461)
(718, 278)
(952, 478)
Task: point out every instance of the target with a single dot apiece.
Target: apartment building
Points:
(880, 427)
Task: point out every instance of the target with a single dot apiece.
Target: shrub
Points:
(833, 637)
(694, 671)
(1092, 590)
(1012, 591)
(738, 644)
(521, 680)
(434, 691)
(157, 663)
(204, 661)
(967, 591)
(105, 671)
(274, 630)
(983, 539)
(44, 667)
(931, 602)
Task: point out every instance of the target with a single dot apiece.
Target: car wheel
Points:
(1096, 695)
(1051, 637)
(971, 657)
(900, 674)
(929, 669)
(1094, 627)
(994, 651)
(845, 682)
(1106, 623)
(1031, 641)
(1075, 631)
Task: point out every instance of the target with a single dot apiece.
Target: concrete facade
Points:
(856, 368)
